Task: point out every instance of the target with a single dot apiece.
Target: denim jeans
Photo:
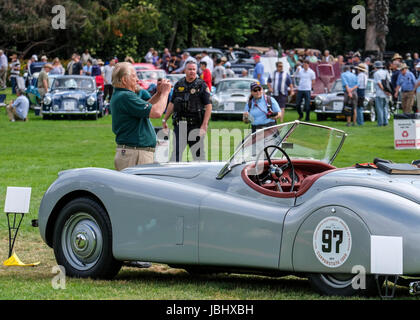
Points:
(307, 96)
(381, 111)
(361, 96)
(13, 83)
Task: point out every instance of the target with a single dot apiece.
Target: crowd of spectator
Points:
(403, 72)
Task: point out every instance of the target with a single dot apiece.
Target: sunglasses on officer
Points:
(256, 90)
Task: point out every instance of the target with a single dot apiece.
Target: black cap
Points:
(255, 85)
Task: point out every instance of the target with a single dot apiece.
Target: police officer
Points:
(191, 108)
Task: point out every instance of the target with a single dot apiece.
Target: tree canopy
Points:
(131, 27)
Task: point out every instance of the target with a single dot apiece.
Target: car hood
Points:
(186, 170)
(237, 95)
(407, 186)
(75, 94)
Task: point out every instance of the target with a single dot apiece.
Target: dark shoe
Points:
(348, 124)
(138, 264)
(300, 117)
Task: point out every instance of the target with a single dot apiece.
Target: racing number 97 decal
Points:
(332, 242)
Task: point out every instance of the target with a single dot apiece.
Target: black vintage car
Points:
(73, 96)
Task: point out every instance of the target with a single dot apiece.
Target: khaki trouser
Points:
(125, 158)
(418, 101)
(11, 113)
(407, 101)
(3, 75)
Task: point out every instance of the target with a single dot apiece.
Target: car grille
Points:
(69, 105)
(240, 106)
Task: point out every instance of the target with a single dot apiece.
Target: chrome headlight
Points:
(318, 100)
(47, 100)
(90, 100)
(366, 102)
(56, 107)
(81, 107)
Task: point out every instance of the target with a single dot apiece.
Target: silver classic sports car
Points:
(331, 104)
(231, 96)
(277, 207)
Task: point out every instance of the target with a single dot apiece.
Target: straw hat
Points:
(403, 66)
(396, 56)
(362, 67)
(100, 62)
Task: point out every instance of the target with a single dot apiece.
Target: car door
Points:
(240, 232)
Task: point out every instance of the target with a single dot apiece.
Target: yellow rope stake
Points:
(14, 261)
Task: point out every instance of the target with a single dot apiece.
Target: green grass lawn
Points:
(33, 153)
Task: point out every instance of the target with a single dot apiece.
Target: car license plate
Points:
(68, 105)
(229, 106)
(338, 106)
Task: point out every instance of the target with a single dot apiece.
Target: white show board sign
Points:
(17, 200)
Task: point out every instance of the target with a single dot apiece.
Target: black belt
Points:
(122, 146)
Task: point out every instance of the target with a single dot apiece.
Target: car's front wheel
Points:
(83, 240)
(341, 284)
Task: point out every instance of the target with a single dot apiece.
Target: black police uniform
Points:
(189, 99)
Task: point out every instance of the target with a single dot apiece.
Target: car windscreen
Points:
(337, 87)
(151, 74)
(299, 139)
(73, 83)
(243, 85)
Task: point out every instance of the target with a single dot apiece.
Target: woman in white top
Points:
(362, 79)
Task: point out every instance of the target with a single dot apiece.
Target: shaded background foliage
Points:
(130, 27)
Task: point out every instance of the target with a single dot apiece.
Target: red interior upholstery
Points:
(308, 172)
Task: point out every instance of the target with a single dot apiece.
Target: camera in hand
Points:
(271, 114)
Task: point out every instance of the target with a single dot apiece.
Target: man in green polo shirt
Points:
(135, 135)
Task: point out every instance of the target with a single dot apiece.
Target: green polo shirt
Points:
(130, 119)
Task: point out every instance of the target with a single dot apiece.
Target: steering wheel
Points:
(277, 172)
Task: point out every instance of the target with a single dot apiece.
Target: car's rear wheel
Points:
(83, 240)
(341, 284)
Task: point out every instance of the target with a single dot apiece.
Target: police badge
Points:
(193, 91)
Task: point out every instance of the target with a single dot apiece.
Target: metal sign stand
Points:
(17, 204)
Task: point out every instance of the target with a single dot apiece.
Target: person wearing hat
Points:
(406, 82)
(397, 57)
(258, 70)
(418, 87)
(229, 71)
(43, 81)
(381, 99)
(362, 79)
(261, 110)
(356, 58)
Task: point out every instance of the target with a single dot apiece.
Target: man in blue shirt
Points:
(350, 85)
(259, 70)
(418, 87)
(407, 82)
(18, 109)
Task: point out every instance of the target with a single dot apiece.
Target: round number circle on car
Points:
(332, 242)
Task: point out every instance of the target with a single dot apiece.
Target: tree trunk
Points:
(173, 36)
(376, 26)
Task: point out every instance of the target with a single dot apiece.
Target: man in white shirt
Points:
(208, 60)
(306, 81)
(3, 70)
(108, 88)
